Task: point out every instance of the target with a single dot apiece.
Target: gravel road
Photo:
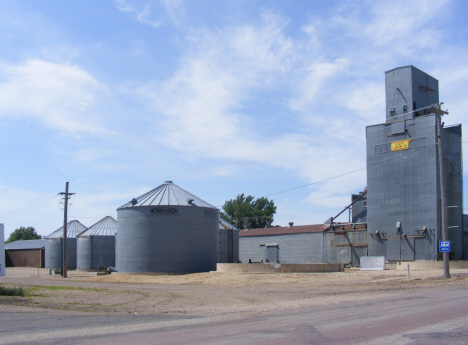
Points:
(125, 304)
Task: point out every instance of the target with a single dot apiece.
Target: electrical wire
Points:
(17, 214)
(32, 207)
(341, 175)
(253, 159)
(26, 208)
(317, 182)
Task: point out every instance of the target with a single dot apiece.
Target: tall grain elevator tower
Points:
(403, 189)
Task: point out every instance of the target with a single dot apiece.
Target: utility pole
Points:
(66, 196)
(443, 196)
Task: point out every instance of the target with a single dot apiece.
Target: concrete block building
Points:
(403, 189)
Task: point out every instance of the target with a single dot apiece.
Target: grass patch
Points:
(56, 288)
(90, 304)
(13, 291)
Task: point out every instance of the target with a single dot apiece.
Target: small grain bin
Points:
(96, 245)
(167, 230)
(54, 246)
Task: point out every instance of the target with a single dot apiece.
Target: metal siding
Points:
(407, 248)
(341, 248)
(23, 257)
(356, 253)
(83, 250)
(454, 182)
(422, 248)
(71, 253)
(328, 248)
(53, 253)
(26, 244)
(184, 242)
(293, 248)
(403, 87)
(228, 249)
(465, 237)
(272, 254)
(359, 210)
(103, 251)
(402, 185)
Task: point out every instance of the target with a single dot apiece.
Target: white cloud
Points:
(142, 10)
(202, 110)
(366, 100)
(59, 95)
(313, 82)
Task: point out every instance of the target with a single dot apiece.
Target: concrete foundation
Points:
(278, 268)
(430, 265)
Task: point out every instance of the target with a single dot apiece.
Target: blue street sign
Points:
(444, 246)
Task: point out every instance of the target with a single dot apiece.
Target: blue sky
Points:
(223, 98)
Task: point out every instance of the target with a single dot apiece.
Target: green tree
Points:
(23, 233)
(246, 212)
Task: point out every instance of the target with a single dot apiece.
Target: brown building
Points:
(28, 253)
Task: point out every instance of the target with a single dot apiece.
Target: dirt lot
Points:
(210, 294)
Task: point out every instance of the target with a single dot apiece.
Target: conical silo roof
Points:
(74, 228)
(107, 226)
(167, 194)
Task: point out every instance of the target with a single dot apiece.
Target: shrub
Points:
(6, 291)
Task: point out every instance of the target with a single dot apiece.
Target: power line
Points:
(316, 182)
(28, 209)
(40, 204)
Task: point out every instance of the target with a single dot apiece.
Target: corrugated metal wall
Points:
(305, 248)
(24, 257)
(403, 187)
(96, 252)
(465, 237)
(454, 181)
(181, 242)
(103, 251)
(53, 253)
(292, 248)
(228, 246)
(84, 255)
(345, 247)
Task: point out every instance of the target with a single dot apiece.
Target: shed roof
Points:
(225, 225)
(167, 194)
(301, 229)
(283, 230)
(107, 226)
(74, 228)
(26, 244)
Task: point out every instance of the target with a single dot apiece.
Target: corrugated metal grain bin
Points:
(96, 245)
(54, 244)
(167, 230)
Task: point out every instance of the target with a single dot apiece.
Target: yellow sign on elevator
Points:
(400, 145)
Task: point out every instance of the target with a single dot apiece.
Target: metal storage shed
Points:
(167, 230)
(25, 253)
(96, 245)
(304, 244)
(54, 246)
